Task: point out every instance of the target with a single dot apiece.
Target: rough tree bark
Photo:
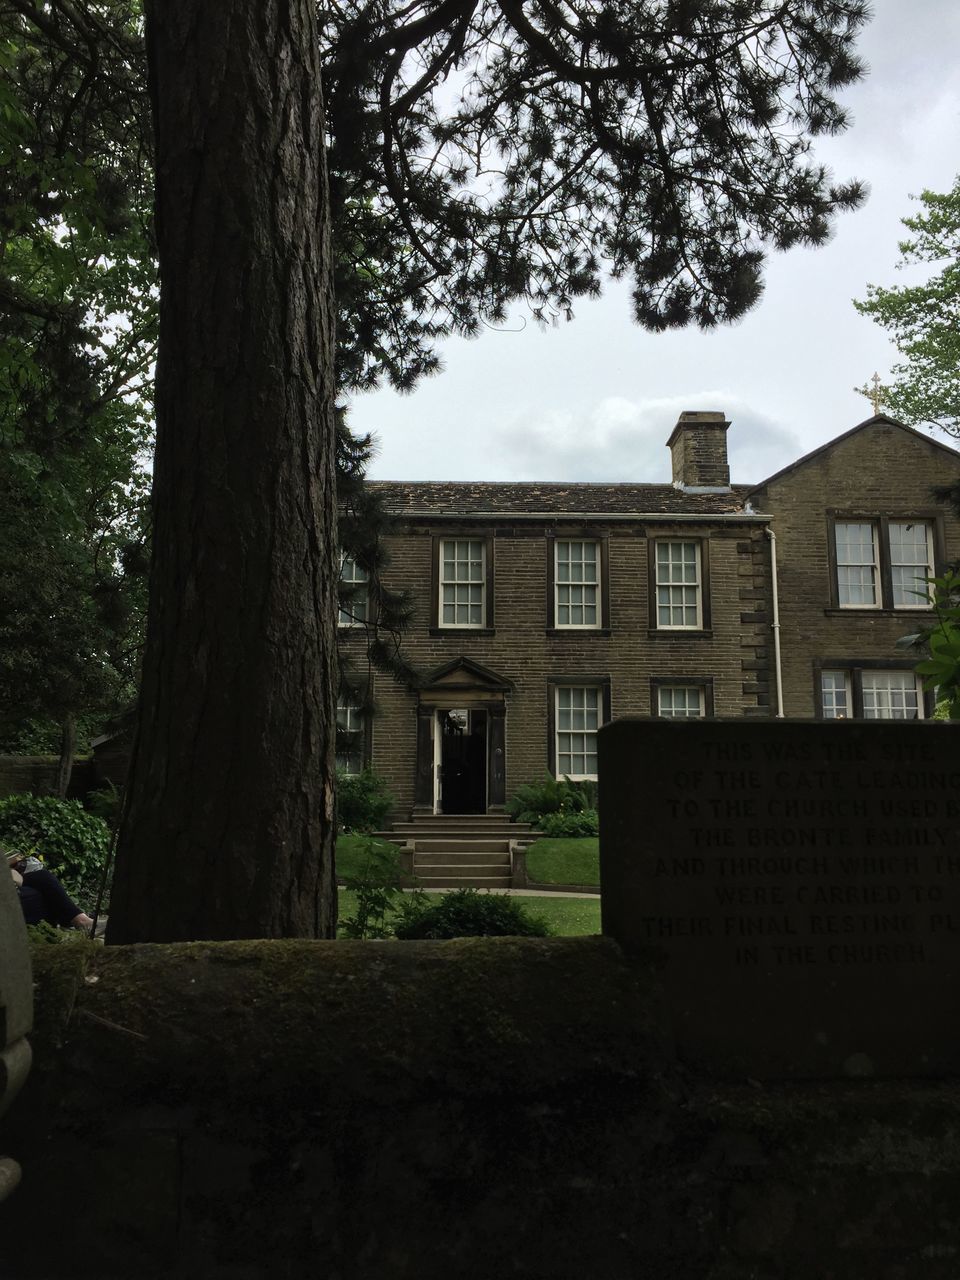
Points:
(229, 831)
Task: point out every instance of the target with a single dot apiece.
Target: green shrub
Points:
(73, 843)
(45, 934)
(572, 825)
(467, 913)
(106, 803)
(534, 800)
(378, 882)
(363, 801)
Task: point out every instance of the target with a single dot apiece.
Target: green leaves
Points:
(72, 842)
(923, 319)
(941, 670)
(78, 320)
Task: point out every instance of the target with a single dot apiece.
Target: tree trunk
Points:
(229, 826)
(68, 749)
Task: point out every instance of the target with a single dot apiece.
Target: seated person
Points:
(42, 896)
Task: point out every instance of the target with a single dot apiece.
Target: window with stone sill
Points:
(462, 582)
(354, 607)
(678, 584)
(351, 734)
(871, 693)
(578, 715)
(577, 590)
(680, 701)
(882, 563)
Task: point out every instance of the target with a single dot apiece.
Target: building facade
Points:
(540, 611)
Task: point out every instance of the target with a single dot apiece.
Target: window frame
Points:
(355, 700)
(931, 565)
(702, 543)
(874, 563)
(704, 684)
(353, 621)
(438, 626)
(853, 669)
(933, 520)
(602, 625)
(554, 685)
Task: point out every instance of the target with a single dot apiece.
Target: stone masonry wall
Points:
(881, 470)
(38, 775)
(733, 653)
(430, 1111)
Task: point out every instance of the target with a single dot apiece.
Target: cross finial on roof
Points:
(873, 391)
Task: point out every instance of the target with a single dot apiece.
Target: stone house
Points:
(543, 610)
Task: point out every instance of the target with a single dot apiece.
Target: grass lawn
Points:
(567, 916)
(350, 852)
(565, 861)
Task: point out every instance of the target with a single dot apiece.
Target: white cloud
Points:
(618, 439)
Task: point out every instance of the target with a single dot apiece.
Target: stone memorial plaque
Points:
(801, 880)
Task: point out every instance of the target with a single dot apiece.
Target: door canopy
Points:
(459, 677)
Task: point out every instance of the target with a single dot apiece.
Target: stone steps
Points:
(410, 830)
(458, 851)
(432, 882)
(435, 844)
(462, 858)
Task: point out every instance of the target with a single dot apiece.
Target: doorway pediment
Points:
(464, 673)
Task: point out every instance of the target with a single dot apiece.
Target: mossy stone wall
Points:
(38, 776)
(441, 1111)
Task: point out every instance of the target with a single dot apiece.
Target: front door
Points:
(461, 738)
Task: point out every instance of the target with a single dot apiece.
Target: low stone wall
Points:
(38, 774)
(441, 1111)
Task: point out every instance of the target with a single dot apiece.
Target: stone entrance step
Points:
(469, 858)
(435, 844)
(440, 827)
(458, 851)
(429, 883)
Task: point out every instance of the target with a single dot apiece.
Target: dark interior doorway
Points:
(463, 761)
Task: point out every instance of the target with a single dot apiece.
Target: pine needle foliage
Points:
(485, 152)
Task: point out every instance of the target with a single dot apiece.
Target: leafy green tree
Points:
(72, 587)
(77, 341)
(924, 319)
(940, 667)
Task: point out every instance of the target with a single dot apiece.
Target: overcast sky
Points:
(596, 399)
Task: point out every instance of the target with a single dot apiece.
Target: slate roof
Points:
(474, 498)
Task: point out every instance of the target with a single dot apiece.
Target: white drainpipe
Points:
(776, 621)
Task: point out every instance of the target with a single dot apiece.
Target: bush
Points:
(106, 803)
(73, 843)
(467, 913)
(553, 795)
(45, 934)
(363, 801)
(378, 883)
(570, 825)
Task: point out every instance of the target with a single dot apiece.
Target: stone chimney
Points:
(698, 446)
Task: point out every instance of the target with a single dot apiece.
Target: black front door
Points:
(463, 761)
